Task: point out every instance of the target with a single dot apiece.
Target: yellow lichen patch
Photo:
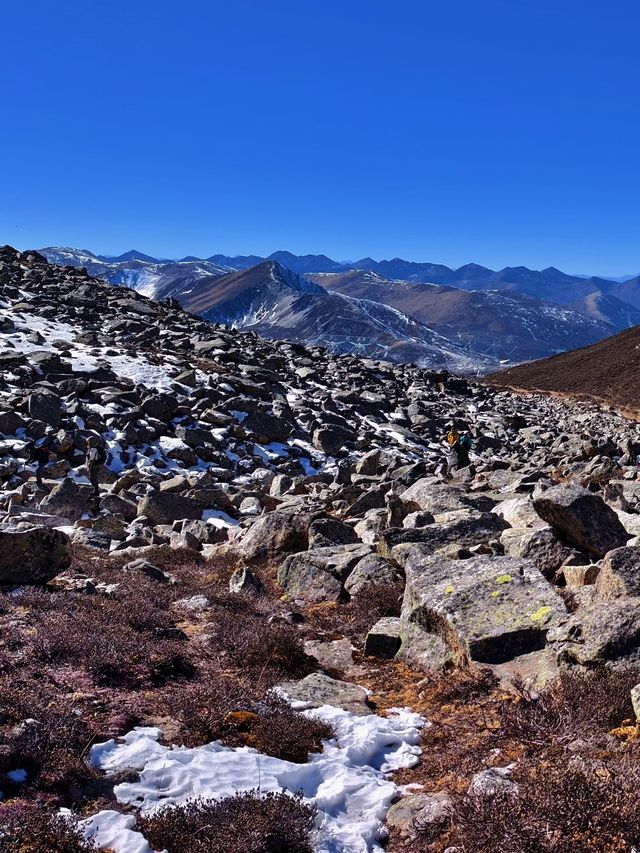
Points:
(495, 593)
(240, 719)
(448, 588)
(541, 614)
(504, 579)
(626, 732)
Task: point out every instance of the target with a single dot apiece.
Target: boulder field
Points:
(326, 474)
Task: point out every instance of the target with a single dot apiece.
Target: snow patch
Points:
(347, 781)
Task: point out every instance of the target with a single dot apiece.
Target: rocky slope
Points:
(258, 495)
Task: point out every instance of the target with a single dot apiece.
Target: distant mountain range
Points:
(464, 319)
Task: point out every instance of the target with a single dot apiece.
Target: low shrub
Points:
(573, 706)
(561, 806)
(271, 651)
(245, 823)
(281, 731)
(27, 828)
(120, 642)
(374, 602)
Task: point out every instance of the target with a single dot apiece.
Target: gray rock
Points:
(421, 518)
(605, 631)
(412, 815)
(332, 441)
(243, 580)
(373, 570)
(267, 426)
(370, 528)
(319, 689)
(89, 538)
(383, 640)
(276, 534)
(427, 494)
(166, 507)
(492, 781)
(146, 568)
(319, 575)
(582, 519)
(540, 545)
(10, 422)
(33, 555)
(619, 575)
(45, 407)
(325, 532)
(68, 499)
(474, 529)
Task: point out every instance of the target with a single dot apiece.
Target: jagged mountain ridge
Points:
(480, 314)
(277, 303)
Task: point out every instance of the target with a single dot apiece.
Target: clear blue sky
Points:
(496, 131)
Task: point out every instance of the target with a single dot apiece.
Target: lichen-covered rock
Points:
(582, 519)
(484, 609)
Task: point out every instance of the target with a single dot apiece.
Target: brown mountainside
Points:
(608, 371)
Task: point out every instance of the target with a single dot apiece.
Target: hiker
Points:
(40, 452)
(464, 446)
(459, 447)
(95, 457)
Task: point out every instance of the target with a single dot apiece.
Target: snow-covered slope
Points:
(150, 277)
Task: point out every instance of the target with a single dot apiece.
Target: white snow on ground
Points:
(218, 518)
(347, 781)
(115, 831)
(84, 357)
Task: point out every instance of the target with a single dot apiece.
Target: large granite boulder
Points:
(319, 575)
(33, 555)
(484, 609)
(540, 545)
(473, 528)
(593, 636)
(68, 499)
(582, 519)
(436, 498)
(276, 534)
(166, 507)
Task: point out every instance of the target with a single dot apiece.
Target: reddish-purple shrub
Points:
(245, 823)
(281, 731)
(26, 828)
